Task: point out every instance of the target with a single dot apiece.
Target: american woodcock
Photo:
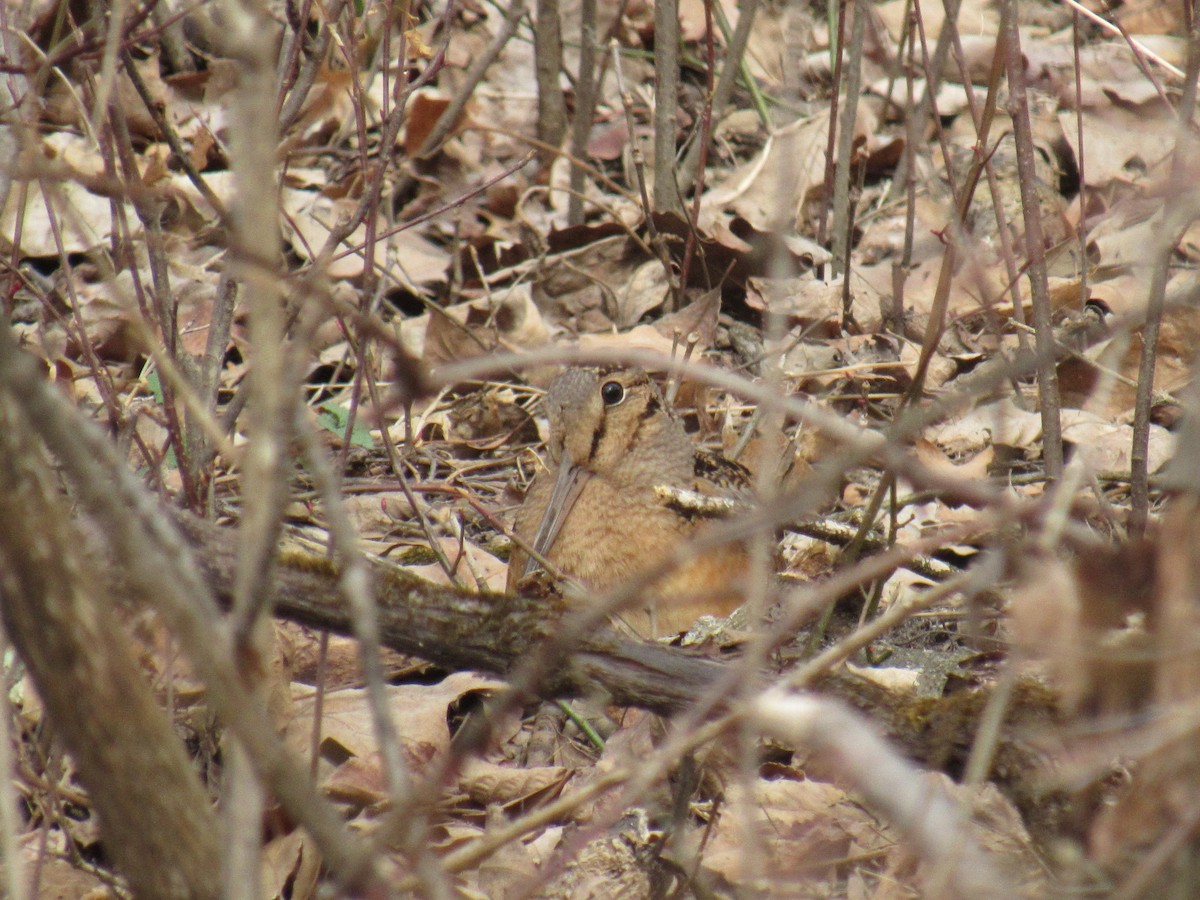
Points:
(597, 511)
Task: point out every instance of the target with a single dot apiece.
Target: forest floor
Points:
(952, 346)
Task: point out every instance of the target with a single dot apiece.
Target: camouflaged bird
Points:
(600, 510)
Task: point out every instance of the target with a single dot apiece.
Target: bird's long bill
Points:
(570, 481)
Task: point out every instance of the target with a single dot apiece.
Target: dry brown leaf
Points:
(1106, 447)
(753, 190)
(996, 825)
(301, 647)
(609, 140)
(646, 290)
(425, 108)
(376, 514)
(328, 108)
(473, 567)
(982, 16)
(58, 876)
(509, 321)
(488, 419)
(358, 782)
(897, 681)
(695, 320)
(583, 284)
(84, 219)
(1147, 17)
(619, 863)
(488, 783)
(1001, 423)
(934, 458)
(312, 216)
(801, 831)
(347, 726)
(291, 867)
(809, 305)
(1121, 143)
(514, 863)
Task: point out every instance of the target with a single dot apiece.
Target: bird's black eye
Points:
(612, 393)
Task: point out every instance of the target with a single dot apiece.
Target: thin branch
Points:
(1181, 209)
(586, 90)
(735, 59)
(450, 115)
(1035, 244)
(548, 52)
(666, 104)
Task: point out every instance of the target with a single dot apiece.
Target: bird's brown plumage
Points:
(594, 511)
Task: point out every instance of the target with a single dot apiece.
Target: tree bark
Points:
(157, 821)
(462, 630)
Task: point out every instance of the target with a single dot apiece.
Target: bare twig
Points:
(450, 115)
(843, 173)
(297, 80)
(1035, 245)
(1181, 209)
(895, 317)
(706, 123)
(838, 49)
(355, 584)
(161, 312)
(1082, 227)
(983, 121)
(666, 104)
(171, 136)
(693, 162)
(657, 245)
(586, 91)
(890, 783)
(256, 250)
(934, 69)
(547, 49)
(256, 254)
